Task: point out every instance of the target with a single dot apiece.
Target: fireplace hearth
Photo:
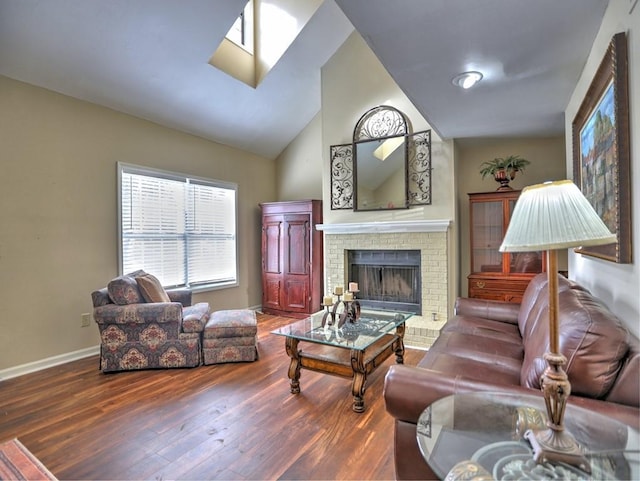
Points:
(387, 279)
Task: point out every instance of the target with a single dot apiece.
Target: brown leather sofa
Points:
(499, 346)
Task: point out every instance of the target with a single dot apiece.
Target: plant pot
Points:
(502, 177)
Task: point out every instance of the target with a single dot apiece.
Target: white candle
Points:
(327, 301)
(338, 290)
(353, 286)
(348, 296)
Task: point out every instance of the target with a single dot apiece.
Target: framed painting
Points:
(601, 164)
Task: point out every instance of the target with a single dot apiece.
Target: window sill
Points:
(213, 287)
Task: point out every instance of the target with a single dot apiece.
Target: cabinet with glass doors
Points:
(494, 274)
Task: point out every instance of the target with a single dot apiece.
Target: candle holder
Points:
(350, 312)
(328, 316)
(354, 292)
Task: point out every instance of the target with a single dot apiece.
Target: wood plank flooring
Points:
(228, 421)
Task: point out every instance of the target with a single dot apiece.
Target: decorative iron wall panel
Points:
(341, 176)
(419, 168)
(380, 122)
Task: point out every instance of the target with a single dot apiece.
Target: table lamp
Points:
(552, 216)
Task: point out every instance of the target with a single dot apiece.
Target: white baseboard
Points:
(60, 359)
(48, 362)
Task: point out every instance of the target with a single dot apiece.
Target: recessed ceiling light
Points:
(466, 80)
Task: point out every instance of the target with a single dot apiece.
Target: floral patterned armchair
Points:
(146, 328)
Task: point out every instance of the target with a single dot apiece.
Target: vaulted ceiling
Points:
(149, 58)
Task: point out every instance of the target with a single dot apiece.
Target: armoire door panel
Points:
(272, 249)
(297, 246)
(271, 292)
(296, 294)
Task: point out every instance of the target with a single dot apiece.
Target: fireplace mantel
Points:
(386, 227)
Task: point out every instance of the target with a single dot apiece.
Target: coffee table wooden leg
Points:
(400, 346)
(359, 384)
(291, 345)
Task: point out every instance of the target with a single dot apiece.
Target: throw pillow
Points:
(123, 290)
(151, 289)
(135, 274)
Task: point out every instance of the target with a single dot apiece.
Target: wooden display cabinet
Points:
(292, 253)
(497, 275)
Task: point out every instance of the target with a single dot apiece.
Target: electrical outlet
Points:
(86, 320)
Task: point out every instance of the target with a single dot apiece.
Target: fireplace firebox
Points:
(387, 279)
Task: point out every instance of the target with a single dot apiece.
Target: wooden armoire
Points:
(292, 253)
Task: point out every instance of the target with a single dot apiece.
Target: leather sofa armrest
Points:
(159, 312)
(487, 309)
(409, 390)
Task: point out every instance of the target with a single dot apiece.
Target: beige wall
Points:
(59, 220)
(547, 163)
(618, 285)
(299, 166)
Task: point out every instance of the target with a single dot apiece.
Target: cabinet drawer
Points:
(510, 290)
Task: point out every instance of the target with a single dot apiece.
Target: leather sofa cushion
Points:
(479, 326)
(627, 386)
(504, 372)
(480, 348)
(535, 302)
(592, 339)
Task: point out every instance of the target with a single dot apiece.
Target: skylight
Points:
(241, 32)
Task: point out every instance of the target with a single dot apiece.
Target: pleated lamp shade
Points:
(554, 215)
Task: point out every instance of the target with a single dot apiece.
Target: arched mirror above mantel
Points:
(385, 167)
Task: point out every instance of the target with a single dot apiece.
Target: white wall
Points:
(618, 285)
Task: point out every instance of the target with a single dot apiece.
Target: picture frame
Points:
(601, 163)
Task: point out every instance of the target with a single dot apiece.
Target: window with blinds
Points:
(180, 229)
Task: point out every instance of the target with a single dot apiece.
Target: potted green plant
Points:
(503, 169)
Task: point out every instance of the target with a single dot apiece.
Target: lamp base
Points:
(559, 446)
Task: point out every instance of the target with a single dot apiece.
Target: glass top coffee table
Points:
(352, 350)
(476, 433)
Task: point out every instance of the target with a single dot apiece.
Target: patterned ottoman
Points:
(230, 336)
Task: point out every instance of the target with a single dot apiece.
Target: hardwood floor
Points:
(228, 421)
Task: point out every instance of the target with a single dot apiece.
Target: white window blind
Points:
(178, 228)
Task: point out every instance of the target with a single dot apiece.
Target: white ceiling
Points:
(531, 53)
(149, 58)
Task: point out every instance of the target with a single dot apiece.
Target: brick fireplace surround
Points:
(430, 237)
